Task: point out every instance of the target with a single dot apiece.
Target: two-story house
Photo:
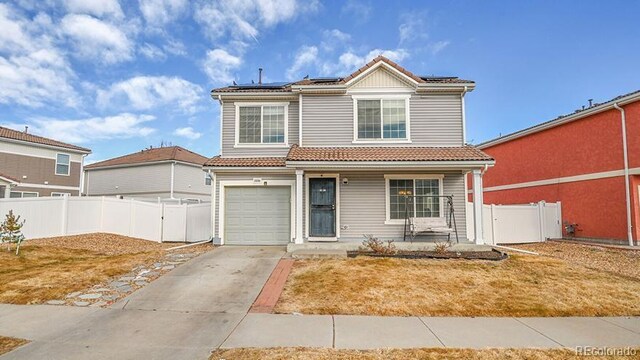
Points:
(331, 159)
(32, 166)
(166, 173)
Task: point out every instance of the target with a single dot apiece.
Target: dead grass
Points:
(52, 268)
(397, 354)
(623, 262)
(8, 343)
(519, 286)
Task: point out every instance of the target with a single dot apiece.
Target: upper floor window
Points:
(381, 119)
(261, 124)
(62, 164)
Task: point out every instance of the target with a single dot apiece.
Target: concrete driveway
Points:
(182, 315)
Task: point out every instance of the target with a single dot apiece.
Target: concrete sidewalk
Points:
(370, 332)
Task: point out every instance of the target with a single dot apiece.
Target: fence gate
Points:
(174, 223)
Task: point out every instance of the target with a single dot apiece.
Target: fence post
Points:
(541, 220)
(494, 237)
(65, 214)
(132, 218)
(102, 214)
(161, 222)
(186, 224)
(559, 219)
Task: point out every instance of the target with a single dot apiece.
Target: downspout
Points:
(623, 118)
(464, 121)
(82, 175)
(173, 174)
(221, 118)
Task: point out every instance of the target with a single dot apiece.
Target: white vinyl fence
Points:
(513, 224)
(58, 216)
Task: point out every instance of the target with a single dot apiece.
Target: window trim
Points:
(23, 192)
(405, 97)
(60, 194)
(68, 165)
(387, 177)
(238, 144)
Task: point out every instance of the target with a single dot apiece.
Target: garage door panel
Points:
(258, 215)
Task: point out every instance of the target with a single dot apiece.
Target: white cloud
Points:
(152, 52)
(358, 10)
(97, 8)
(413, 27)
(124, 125)
(158, 13)
(147, 92)
(219, 65)
(175, 47)
(245, 19)
(305, 56)
(187, 132)
(97, 40)
(438, 46)
(33, 72)
(39, 78)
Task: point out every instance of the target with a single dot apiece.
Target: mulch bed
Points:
(467, 255)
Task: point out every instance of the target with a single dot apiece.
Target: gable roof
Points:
(287, 87)
(563, 119)
(169, 153)
(7, 133)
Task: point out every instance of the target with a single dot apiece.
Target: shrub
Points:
(442, 246)
(378, 246)
(10, 231)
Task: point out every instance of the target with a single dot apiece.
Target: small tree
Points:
(10, 231)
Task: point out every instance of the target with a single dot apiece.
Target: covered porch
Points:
(6, 183)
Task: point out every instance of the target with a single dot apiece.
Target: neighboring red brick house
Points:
(578, 159)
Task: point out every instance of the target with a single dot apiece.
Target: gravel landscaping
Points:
(86, 270)
(617, 261)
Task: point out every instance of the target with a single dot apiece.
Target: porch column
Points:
(7, 191)
(477, 207)
(299, 182)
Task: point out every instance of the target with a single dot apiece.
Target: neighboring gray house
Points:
(165, 172)
(33, 166)
(331, 159)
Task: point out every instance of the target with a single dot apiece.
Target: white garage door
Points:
(257, 215)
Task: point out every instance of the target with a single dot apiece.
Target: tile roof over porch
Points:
(357, 154)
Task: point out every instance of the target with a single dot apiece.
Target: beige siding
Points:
(363, 206)
(37, 151)
(381, 78)
(228, 133)
(435, 120)
(189, 180)
(146, 179)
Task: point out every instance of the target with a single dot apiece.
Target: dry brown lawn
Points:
(7, 344)
(522, 285)
(51, 268)
(397, 354)
(619, 261)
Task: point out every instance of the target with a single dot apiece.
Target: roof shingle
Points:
(176, 153)
(463, 153)
(218, 161)
(23, 136)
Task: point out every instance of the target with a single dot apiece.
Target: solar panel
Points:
(272, 85)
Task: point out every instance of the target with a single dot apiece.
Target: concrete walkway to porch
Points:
(371, 332)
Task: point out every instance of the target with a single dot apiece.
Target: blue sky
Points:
(121, 76)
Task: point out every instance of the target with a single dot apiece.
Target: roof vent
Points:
(259, 76)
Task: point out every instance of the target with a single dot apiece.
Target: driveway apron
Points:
(183, 314)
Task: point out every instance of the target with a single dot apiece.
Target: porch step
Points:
(319, 254)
